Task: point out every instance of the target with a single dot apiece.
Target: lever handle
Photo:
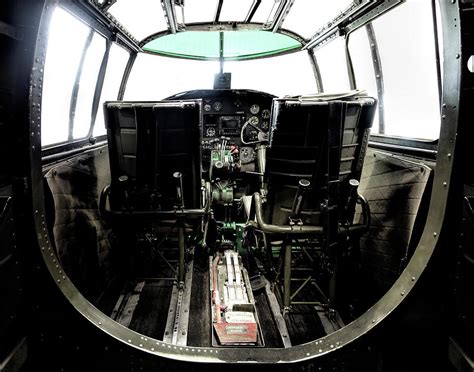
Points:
(303, 187)
(178, 176)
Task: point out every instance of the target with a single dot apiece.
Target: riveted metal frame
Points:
(98, 87)
(377, 63)
(126, 75)
(75, 89)
(316, 70)
(455, 60)
(357, 15)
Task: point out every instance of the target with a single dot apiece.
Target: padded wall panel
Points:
(83, 240)
(394, 187)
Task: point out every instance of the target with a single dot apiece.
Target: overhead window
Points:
(308, 16)
(140, 17)
(237, 45)
(235, 10)
(199, 10)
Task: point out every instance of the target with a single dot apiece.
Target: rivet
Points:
(435, 234)
(413, 278)
(59, 281)
(402, 293)
(373, 320)
(100, 323)
(445, 184)
(152, 349)
(449, 155)
(458, 56)
(308, 354)
(444, 117)
(320, 350)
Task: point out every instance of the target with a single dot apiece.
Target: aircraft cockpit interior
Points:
(256, 193)
(258, 181)
(228, 218)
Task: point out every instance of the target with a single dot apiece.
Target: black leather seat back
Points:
(148, 142)
(321, 141)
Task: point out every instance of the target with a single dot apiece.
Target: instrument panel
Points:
(233, 123)
(226, 112)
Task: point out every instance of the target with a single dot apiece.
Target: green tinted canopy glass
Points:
(238, 45)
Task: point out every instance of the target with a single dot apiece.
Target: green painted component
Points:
(216, 155)
(238, 45)
(239, 238)
(229, 225)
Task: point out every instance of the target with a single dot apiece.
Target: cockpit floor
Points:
(149, 309)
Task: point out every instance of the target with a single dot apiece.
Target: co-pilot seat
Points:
(313, 166)
(154, 153)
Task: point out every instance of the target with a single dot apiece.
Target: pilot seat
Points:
(304, 213)
(155, 159)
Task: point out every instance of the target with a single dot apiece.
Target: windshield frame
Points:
(225, 26)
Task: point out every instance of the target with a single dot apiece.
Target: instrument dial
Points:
(210, 132)
(254, 120)
(265, 125)
(217, 106)
(255, 109)
(266, 114)
(247, 155)
(207, 107)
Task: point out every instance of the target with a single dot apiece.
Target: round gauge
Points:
(254, 109)
(210, 132)
(247, 154)
(207, 107)
(264, 125)
(217, 106)
(266, 114)
(254, 120)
